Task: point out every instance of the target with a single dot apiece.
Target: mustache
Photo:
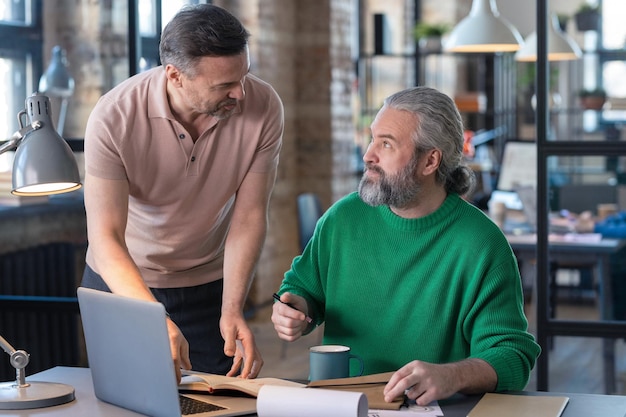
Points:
(377, 169)
(228, 102)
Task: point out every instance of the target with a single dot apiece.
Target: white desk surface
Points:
(84, 405)
(87, 405)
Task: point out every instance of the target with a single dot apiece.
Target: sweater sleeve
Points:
(497, 328)
(303, 278)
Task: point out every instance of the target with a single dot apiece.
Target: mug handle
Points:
(358, 358)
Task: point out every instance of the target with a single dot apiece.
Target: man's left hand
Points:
(421, 381)
(426, 382)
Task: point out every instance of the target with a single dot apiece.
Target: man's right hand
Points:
(179, 348)
(290, 323)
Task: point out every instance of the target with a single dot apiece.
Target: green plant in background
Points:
(426, 30)
(586, 7)
(587, 17)
(563, 19)
(595, 92)
(592, 99)
(527, 99)
(527, 72)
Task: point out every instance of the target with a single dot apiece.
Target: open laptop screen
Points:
(519, 166)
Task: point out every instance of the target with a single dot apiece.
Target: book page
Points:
(371, 385)
(204, 382)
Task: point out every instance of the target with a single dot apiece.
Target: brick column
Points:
(303, 49)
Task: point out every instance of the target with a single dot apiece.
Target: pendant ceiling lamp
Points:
(484, 30)
(561, 47)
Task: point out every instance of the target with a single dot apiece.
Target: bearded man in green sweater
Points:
(407, 273)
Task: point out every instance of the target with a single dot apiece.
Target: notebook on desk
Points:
(131, 364)
(512, 405)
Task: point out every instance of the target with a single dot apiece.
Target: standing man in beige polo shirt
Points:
(180, 165)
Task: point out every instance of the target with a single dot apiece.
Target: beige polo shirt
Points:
(181, 193)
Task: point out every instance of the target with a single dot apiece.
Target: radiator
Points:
(38, 308)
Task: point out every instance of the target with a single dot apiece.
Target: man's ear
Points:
(432, 160)
(173, 75)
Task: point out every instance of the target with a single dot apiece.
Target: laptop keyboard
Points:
(189, 406)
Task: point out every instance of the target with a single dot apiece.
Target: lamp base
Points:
(35, 395)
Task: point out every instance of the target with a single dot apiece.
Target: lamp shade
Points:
(561, 47)
(57, 80)
(44, 163)
(484, 30)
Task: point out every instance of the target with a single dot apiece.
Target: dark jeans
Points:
(196, 311)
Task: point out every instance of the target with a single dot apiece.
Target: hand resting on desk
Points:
(426, 382)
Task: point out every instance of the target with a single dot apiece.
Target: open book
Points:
(204, 383)
(370, 385)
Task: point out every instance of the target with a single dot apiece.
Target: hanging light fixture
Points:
(484, 30)
(561, 47)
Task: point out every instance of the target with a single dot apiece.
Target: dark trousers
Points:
(196, 311)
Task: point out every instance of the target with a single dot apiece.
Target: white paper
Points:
(277, 401)
(431, 410)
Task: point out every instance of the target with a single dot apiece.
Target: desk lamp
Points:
(43, 164)
(484, 30)
(561, 47)
(58, 82)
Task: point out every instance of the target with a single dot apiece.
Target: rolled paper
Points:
(278, 401)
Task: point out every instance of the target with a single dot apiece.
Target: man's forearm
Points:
(474, 376)
(241, 256)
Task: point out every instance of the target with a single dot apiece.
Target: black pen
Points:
(277, 298)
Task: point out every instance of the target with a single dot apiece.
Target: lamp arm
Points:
(6, 346)
(17, 137)
(19, 360)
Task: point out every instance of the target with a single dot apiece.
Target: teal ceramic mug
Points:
(331, 361)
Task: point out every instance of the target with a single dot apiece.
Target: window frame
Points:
(23, 42)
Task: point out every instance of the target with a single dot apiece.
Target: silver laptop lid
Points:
(129, 353)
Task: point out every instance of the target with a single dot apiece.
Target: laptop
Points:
(516, 186)
(131, 364)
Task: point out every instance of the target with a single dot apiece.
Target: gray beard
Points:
(393, 191)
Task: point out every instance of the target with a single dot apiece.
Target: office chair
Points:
(309, 212)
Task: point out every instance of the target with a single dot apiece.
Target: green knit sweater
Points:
(440, 288)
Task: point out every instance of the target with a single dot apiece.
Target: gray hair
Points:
(439, 126)
(201, 30)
